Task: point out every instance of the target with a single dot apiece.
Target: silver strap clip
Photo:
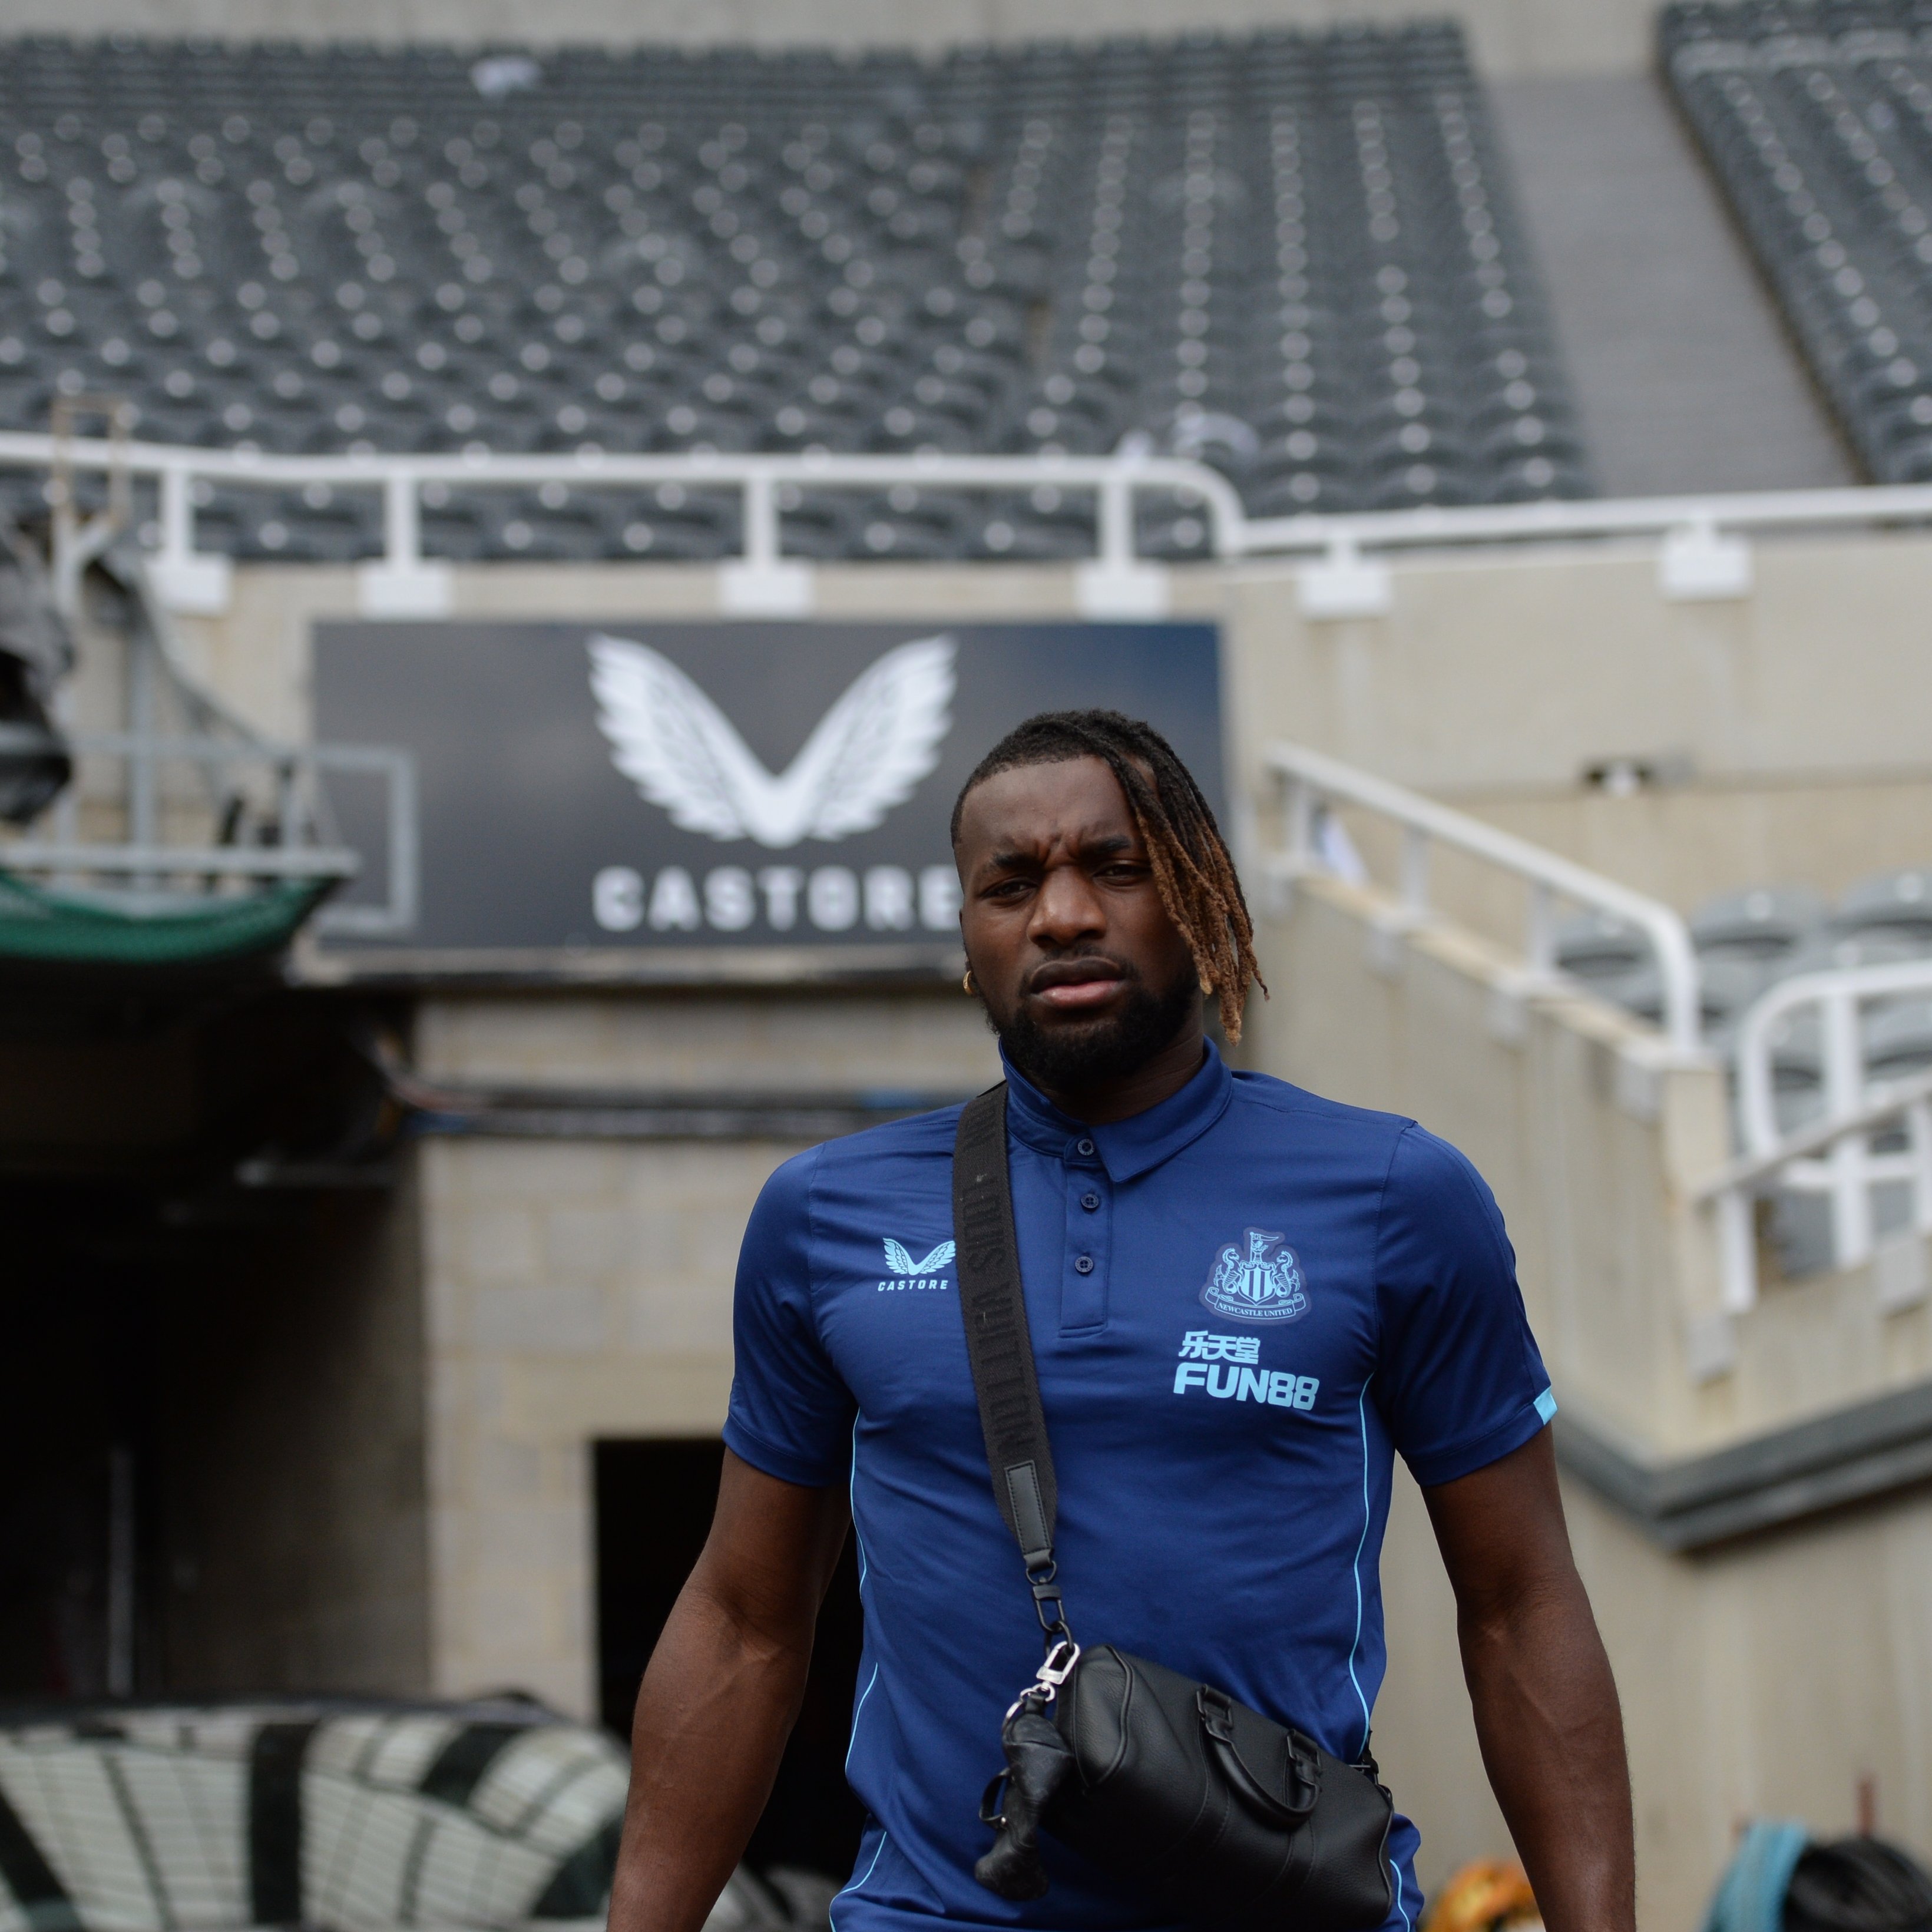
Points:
(1052, 1673)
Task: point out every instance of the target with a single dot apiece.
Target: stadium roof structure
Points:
(1296, 255)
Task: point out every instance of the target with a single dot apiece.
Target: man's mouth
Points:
(1072, 986)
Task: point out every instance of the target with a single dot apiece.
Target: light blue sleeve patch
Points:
(1546, 1404)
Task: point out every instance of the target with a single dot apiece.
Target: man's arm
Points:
(721, 1696)
(1545, 1707)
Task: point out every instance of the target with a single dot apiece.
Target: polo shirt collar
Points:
(1125, 1148)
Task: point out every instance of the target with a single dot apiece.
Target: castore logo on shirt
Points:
(910, 1273)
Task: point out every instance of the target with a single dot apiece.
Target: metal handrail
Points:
(1838, 994)
(1889, 1101)
(1310, 777)
(1841, 1137)
(1115, 480)
(1852, 1105)
(1554, 520)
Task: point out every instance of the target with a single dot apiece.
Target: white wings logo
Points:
(898, 1258)
(864, 757)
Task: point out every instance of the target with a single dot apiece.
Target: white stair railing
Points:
(1310, 779)
(1833, 1147)
(1832, 1156)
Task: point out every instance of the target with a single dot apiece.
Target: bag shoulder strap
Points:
(1000, 1347)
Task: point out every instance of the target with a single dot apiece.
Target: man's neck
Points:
(1151, 1083)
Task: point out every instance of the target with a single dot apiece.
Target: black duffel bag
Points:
(1230, 1818)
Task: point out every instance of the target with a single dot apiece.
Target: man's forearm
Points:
(721, 1696)
(1552, 1742)
(713, 1713)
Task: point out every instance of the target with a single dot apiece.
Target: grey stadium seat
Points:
(1898, 903)
(1832, 952)
(1762, 923)
(1593, 946)
(1725, 987)
(1897, 1040)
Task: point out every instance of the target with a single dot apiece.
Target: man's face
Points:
(1085, 976)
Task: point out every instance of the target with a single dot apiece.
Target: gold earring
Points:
(966, 983)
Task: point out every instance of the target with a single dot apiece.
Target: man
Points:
(1243, 1299)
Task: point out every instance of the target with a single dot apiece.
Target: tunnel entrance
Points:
(654, 1500)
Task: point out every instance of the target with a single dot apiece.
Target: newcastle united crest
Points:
(1259, 1282)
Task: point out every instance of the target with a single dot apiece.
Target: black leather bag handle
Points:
(999, 1347)
(1218, 1721)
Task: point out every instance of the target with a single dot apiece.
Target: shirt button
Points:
(1083, 1146)
(1083, 1265)
(1089, 1202)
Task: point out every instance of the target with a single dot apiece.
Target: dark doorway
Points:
(654, 1505)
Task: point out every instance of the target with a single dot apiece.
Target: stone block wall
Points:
(578, 1290)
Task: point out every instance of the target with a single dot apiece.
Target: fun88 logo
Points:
(1221, 1365)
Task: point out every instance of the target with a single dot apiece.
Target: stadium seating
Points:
(1294, 256)
(1817, 120)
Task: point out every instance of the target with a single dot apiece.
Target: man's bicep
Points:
(773, 1545)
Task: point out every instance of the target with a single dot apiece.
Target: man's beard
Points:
(1075, 1059)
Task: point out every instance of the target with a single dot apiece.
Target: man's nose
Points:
(1067, 910)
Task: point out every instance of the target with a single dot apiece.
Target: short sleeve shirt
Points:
(1243, 1302)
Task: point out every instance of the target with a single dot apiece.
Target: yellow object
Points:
(1485, 1896)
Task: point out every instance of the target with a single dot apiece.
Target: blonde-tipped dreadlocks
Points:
(1191, 870)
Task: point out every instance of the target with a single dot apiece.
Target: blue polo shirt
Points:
(1243, 1302)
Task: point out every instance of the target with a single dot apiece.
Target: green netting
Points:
(136, 929)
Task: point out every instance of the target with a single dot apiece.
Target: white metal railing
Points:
(1702, 554)
(1310, 779)
(1114, 483)
(1833, 1156)
(300, 824)
(1733, 1191)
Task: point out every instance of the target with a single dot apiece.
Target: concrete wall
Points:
(1767, 1678)
(1510, 36)
(1497, 670)
(578, 1291)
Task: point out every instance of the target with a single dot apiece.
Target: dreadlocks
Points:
(1191, 870)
